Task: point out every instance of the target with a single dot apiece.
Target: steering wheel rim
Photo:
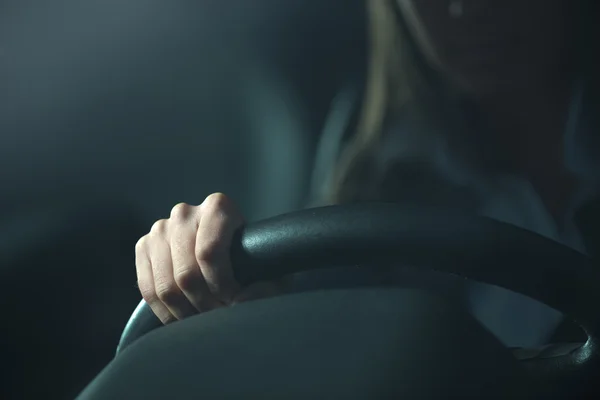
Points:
(477, 248)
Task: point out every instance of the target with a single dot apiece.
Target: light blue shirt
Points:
(515, 319)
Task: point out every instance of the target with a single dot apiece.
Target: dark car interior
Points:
(114, 111)
(102, 100)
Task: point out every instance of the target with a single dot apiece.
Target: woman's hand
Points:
(183, 264)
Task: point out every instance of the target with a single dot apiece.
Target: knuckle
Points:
(210, 250)
(159, 227)
(188, 278)
(215, 202)
(167, 293)
(141, 244)
(147, 292)
(180, 211)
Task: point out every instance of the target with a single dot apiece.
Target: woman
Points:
(475, 104)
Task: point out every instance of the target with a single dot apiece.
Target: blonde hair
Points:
(398, 78)
(386, 92)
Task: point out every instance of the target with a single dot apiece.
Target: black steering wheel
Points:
(382, 235)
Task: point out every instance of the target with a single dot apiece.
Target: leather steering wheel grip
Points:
(380, 235)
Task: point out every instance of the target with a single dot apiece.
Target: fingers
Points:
(165, 286)
(183, 264)
(156, 277)
(216, 228)
(188, 275)
(146, 283)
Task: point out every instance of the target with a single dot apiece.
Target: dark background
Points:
(113, 111)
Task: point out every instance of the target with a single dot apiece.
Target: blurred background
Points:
(113, 111)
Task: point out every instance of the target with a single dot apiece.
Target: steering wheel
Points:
(383, 235)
